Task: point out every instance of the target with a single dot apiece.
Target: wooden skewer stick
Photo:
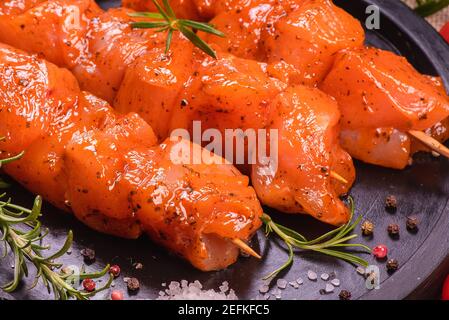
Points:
(338, 177)
(430, 142)
(242, 245)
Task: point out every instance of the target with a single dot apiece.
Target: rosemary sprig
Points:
(166, 21)
(426, 8)
(21, 232)
(26, 246)
(332, 243)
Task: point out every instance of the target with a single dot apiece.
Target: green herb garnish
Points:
(21, 233)
(426, 8)
(332, 243)
(166, 21)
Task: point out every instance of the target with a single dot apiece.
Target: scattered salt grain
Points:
(300, 281)
(361, 271)
(264, 288)
(325, 277)
(336, 282)
(312, 275)
(224, 287)
(164, 284)
(329, 288)
(294, 284)
(281, 283)
(194, 291)
(277, 293)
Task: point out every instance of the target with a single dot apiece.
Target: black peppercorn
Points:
(412, 223)
(391, 203)
(345, 295)
(88, 255)
(393, 230)
(133, 284)
(392, 265)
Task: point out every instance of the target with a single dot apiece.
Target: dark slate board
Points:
(422, 190)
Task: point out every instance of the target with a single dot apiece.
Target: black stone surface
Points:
(422, 190)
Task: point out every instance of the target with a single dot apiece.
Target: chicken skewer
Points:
(307, 35)
(136, 72)
(110, 172)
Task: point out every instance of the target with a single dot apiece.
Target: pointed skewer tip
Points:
(244, 247)
(338, 177)
(430, 142)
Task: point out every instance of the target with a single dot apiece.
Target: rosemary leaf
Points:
(334, 243)
(21, 232)
(151, 15)
(197, 41)
(172, 24)
(203, 27)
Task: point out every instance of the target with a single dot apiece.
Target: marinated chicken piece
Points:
(381, 98)
(309, 36)
(110, 172)
(377, 88)
(385, 147)
(305, 34)
(244, 28)
(152, 85)
(96, 46)
(307, 121)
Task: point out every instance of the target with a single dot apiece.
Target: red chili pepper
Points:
(114, 270)
(445, 294)
(445, 32)
(381, 251)
(117, 295)
(89, 285)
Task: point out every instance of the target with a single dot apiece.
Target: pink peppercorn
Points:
(380, 251)
(114, 270)
(89, 285)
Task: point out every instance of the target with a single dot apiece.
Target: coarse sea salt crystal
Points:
(294, 284)
(281, 283)
(324, 276)
(277, 293)
(194, 291)
(264, 288)
(329, 288)
(312, 275)
(336, 282)
(360, 271)
(224, 287)
(300, 281)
